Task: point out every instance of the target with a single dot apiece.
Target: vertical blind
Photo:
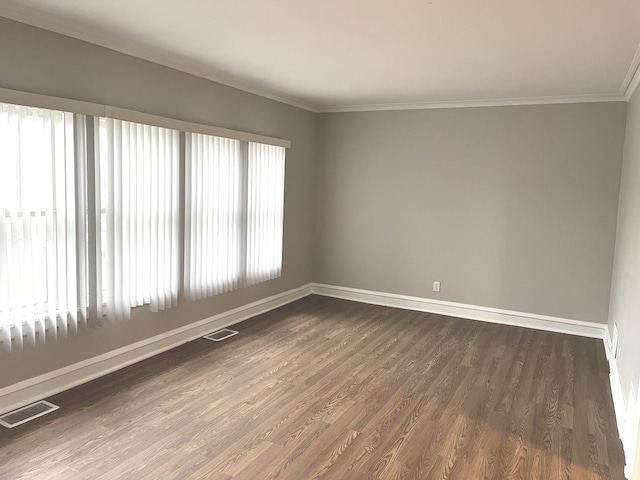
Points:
(43, 282)
(139, 166)
(265, 211)
(98, 216)
(213, 215)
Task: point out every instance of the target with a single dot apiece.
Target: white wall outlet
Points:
(436, 286)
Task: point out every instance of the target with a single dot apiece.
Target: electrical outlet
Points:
(436, 286)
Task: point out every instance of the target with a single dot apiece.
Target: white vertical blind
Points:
(265, 211)
(42, 279)
(99, 215)
(213, 215)
(139, 192)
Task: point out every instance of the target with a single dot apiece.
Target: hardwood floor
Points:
(332, 389)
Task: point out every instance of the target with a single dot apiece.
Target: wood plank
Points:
(331, 389)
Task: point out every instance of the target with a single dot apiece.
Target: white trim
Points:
(497, 102)
(633, 443)
(630, 436)
(98, 110)
(627, 414)
(632, 78)
(614, 381)
(618, 396)
(633, 85)
(608, 344)
(627, 419)
(462, 310)
(33, 389)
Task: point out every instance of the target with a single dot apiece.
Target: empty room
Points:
(319, 240)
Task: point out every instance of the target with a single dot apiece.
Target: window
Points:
(99, 215)
(214, 215)
(234, 214)
(140, 229)
(265, 212)
(42, 269)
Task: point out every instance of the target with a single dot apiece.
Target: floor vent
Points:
(26, 414)
(220, 335)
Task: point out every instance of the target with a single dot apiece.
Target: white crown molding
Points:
(497, 102)
(633, 86)
(632, 78)
(34, 389)
(463, 310)
(30, 16)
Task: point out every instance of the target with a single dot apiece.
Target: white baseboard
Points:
(624, 412)
(627, 418)
(619, 407)
(472, 312)
(28, 391)
(616, 385)
(618, 396)
(608, 344)
(632, 428)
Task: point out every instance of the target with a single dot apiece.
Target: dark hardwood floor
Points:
(326, 388)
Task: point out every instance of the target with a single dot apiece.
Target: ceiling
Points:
(341, 55)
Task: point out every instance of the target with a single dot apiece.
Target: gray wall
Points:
(625, 287)
(509, 207)
(38, 61)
